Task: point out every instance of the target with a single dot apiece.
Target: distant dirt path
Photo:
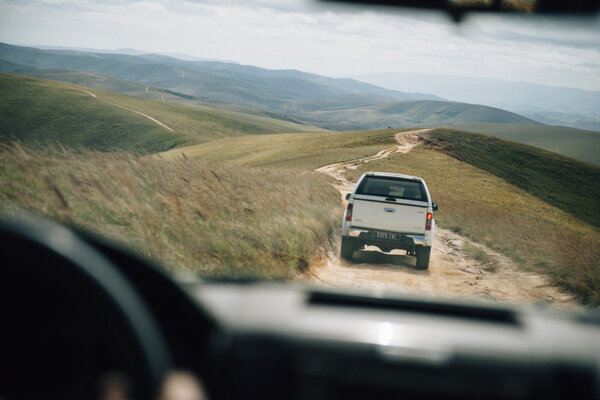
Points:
(147, 116)
(453, 272)
(406, 140)
(135, 111)
(91, 94)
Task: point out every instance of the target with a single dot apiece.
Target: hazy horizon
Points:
(322, 38)
(187, 57)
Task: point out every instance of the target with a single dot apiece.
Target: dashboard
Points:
(75, 307)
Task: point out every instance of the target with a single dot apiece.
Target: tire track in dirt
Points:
(453, 271)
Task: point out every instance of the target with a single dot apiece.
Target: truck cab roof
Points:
(394, 175)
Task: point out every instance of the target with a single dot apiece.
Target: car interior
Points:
(81, 316)
(76, 309)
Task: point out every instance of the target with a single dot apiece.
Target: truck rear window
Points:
(392, 187)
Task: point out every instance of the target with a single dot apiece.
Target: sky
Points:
(317, 37)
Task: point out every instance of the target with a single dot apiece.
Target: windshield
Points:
(392, 187)
(221, 138)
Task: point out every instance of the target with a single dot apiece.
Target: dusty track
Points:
(452, 271)
(406, 140)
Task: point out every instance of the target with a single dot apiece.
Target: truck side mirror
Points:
(348, 196)
(434, 206)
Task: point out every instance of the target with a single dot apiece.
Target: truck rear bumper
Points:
(407, 241)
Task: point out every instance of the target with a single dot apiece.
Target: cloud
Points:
(574, 32)
(318, 37)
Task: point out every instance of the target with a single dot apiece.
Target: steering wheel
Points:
(69, 317)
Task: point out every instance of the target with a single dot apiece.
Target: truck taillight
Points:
(428, 222)
(349, 212)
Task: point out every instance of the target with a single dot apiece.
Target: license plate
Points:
(385, 235)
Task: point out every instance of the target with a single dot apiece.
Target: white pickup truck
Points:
(390, 211)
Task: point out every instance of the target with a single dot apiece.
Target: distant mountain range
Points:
(547, 104)
(129, 51)
(229, 82)
(300, 97)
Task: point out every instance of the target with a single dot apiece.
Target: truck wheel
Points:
(423, 254)
(347, 249)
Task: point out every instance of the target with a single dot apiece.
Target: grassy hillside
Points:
(568, 184)
(37, 110)
(579, 144)
(538, 236)
(434, 112)
(186, 215)
(300, 150)
(565, 183)
(367, 114)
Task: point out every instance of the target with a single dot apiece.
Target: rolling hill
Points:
(298, 151)
(42, 111)
(558, 118)
(333, 114)
(548, 104)
(380, 115)
(336, 104)
(568, 184)
(109, 83)
(578, 144)
(227, 82)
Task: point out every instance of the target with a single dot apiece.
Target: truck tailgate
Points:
(376, 213)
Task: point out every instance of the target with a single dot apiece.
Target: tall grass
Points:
(537, 235)
(185, 214)
(579, 144)
(570, 185)
(305, 151)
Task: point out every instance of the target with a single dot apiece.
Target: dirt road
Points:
(406, 140)
(453, 272)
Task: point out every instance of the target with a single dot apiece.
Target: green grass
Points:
(489, 210)
(37, 111)
(568, 184)
(576, 143)
(300, 150)
(231, 221)
(46, 112)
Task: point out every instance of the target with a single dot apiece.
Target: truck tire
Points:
(423, 254)
(347, 249)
